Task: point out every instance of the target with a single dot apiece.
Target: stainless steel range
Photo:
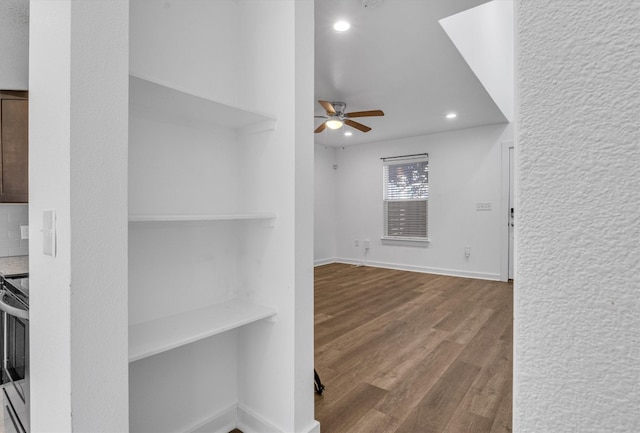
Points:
(14, 307)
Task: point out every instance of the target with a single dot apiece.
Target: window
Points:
(406, 198)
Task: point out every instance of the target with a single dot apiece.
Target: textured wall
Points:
(577, 302)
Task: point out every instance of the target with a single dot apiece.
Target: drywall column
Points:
(78, 86)
(280, 358)
(304, 212)
(577, 273)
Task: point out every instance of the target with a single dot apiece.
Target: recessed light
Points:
(452, 116)
(348, 133)
(341, 26)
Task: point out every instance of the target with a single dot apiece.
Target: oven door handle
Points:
(17, 312)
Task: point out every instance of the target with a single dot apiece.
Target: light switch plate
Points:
(24, 232)
(49, 233)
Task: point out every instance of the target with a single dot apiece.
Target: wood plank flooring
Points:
(406, 352)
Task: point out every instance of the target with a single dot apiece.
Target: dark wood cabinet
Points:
(14, 147)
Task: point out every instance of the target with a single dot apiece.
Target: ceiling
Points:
(397, 58)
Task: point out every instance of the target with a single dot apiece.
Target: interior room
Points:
(454, 116)
(188, 179)
(458, 110)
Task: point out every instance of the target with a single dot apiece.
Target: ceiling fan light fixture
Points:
(334, 124)
(337, 117)
(341, 26)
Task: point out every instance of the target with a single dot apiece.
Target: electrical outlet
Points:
(483, 206)
(356, 243)
(467, 251)
(367, 244)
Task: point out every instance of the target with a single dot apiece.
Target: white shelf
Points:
(170, 102)
(156, 336)
(201, 217)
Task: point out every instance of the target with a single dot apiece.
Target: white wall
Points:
(172, 390)
(484, 37)
(78, 166)
(12, 216)
(175, 169)
(211, 57)
(464, 168)
(14, 44)
(577, 274)
(324, 204)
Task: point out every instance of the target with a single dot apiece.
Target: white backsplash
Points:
(12, 216)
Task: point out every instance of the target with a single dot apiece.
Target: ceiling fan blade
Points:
(328, 107)
(357, 125)
(321, 128)
(320, 117)
(365, 113)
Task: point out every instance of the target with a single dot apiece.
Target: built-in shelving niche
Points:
(205, 270)
(165, 333)
(168, 103)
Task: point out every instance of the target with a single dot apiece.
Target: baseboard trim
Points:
(240, 417)
(251, 422)
(236, 416)
(322, 262)
(221, 422)
(313, 428)
(422, 269)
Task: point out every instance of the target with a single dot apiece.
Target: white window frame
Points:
(409, 198)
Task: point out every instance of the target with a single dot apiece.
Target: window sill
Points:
(411, 242)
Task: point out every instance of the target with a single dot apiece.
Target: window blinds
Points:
(406, 197)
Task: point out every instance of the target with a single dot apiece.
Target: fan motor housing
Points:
(340, 107)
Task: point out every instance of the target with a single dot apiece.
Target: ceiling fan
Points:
(336, 117)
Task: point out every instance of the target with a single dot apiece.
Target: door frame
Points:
(504, 210)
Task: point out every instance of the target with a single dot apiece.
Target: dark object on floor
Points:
(317, 384)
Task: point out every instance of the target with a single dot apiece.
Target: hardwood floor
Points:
(406, 352)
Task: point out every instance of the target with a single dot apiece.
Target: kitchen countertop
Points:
(14, 266)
